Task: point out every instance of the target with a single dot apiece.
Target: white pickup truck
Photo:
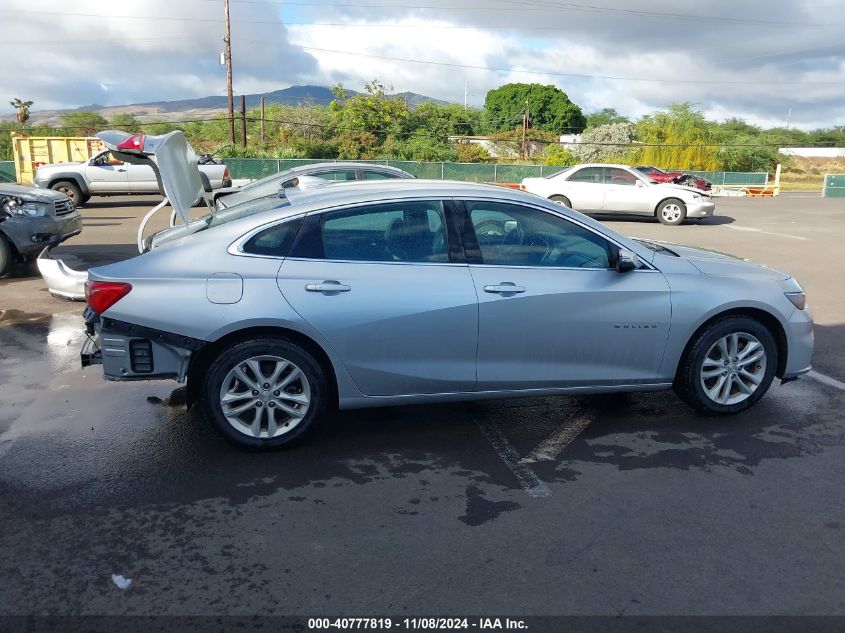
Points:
(106, 175)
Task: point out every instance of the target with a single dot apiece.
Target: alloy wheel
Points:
(265, 396)
(733, 368)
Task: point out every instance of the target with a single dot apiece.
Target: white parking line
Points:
(528, 479)
(753, 230)
(552, 446)
(827, 380)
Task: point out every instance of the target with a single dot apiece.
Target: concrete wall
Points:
(814, 152)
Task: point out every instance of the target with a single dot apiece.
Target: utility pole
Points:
(788, 117)
(522, 153)
(466, 85)
(227, 39)
(262, 120)
(243, 120)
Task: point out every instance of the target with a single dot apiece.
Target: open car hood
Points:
(172, 158)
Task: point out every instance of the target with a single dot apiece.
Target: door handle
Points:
(120, 169)
(328, 287)
(504, 288)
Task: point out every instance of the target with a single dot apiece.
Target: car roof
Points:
(345, 165)
(371, 191)
(620, 165)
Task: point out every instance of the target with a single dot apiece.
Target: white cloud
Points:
(116, 60)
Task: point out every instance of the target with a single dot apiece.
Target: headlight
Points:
(798, 299)
(18, 206)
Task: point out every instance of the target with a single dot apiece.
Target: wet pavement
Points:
(624, 504)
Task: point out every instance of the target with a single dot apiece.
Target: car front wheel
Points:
(264, 393)
(672, 211)
(729, 366)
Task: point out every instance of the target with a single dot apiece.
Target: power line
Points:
(668, 15)
(588, 8)
(558, 74)
(541, 5)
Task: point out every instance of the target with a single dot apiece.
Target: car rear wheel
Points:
(729, 367)
(7, 256)
(71, 190)
(264, 393)
(561, 200)
(672, 211)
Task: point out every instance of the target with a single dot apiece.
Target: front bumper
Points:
(701, 209)
(30, 235)
(800, 341)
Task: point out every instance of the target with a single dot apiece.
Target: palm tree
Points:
(23, 109)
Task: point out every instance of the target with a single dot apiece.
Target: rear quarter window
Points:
(274, 241)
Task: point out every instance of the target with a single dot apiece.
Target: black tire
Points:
(688, 382)
(71, 190)
(237, 353)
(561, 200)
(7, 256)
(672, 212)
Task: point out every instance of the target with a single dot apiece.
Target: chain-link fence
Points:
(254, 168)
(7, 171)
(834, 186)
(732, 178)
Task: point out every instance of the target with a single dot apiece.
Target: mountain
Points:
(295, 95)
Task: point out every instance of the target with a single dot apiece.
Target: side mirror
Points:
(626, 260)
(639, 183)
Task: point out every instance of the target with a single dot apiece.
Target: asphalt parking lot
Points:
(614, 505)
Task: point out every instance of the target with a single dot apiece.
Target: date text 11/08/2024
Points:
(413, 624)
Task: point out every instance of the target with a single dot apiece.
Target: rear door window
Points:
(412, 231)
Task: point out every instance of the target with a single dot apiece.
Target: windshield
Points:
(559, 173)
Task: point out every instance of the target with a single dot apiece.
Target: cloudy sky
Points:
(755, 59)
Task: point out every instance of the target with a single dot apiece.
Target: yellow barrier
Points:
(30, 152)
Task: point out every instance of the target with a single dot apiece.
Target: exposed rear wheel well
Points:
(203, 359)
(767, 319)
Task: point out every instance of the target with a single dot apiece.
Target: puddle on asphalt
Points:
(73, 426)
(16, 317)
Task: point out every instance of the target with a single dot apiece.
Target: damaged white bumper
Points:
(62, 281)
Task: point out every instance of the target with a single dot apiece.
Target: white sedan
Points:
(621, 189)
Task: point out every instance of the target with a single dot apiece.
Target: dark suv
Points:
(32, 219)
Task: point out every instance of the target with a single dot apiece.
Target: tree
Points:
(125, 122)
(604, 144)
(745, 152)
(605, 116)
(83, 123)
(679, 138)
(363, 122)
(549, 108)
(472, 153)
(558, 156)
(23, 109)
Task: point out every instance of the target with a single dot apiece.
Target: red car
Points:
(676, 177)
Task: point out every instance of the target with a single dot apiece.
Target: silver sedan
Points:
(411, 291)
(331, 172)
